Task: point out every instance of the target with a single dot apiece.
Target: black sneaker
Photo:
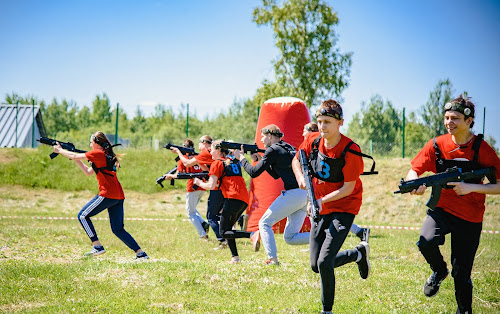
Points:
(431, 286)
(96, 250)
(142, 255)
(205, 226)
(364, 234)
(364, 262)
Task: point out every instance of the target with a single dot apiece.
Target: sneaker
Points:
(431, 286)
(205, 226)
(364, 234)
(234, 260)
(142, 255)
(271, 262)
(255, 238)
(364, 262)
(222, 245)
(244, 224)
(96, 250)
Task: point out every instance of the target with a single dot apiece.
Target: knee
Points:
(324, 265)
(424, 244)
(288, 237)
(81, 215)
(117, 230)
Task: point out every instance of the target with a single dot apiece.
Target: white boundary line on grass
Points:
(169, 219)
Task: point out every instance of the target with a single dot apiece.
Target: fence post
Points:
(116, 124)
(258, 113)
(484, 117)
(371, 147)
(187, 121)
(404, 127)
(33, 129)
(17, 113)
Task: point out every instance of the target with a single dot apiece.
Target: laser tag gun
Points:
(247, 148)
(162, 178)
(309, 185)
(184, 150)
(66, 145)
(188, 175)
(440, 181)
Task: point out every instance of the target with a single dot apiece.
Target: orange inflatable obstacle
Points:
(290, 115)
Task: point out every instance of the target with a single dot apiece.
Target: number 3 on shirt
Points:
(325, 170)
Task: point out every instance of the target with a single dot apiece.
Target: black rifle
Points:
(184, 150)
(247, 148)
(162, 178)
(189, 175)
(65, 145)
(309, 185)
(440, 181)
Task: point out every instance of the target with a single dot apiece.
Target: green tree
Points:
(310, 64)
(60, 117)
(379, 122)
(101, 110)
(83, 117)
(432, 112)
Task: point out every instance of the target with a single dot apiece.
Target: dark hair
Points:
(311, 127)
(188, 143)
(330, 108)
(464, 106)
(101, 140)
(272, 129)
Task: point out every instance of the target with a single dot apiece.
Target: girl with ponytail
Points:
(104, 164)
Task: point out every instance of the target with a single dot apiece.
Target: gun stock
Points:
(309, 185)
(160, 180)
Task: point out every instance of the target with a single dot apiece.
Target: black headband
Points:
(330, 112)
(275, 132)
(458, 107)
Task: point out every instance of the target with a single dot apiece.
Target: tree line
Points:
(309, 66)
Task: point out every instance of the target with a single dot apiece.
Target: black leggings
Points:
(231, 211)
(465, 237)
(326, 239)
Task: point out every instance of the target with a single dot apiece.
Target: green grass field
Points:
(42, 268)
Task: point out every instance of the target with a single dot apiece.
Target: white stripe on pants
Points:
(82, 217)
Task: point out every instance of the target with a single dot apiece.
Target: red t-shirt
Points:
(109, 186)
(204, 158)
(232, 186)
(352, 170)
(193, 169)
(469, 207)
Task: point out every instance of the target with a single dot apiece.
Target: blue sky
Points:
(209, 53)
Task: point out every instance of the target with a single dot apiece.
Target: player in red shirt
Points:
(193, 195)
(104, 164)
(362, 233)
(338, 191)
(226, 174)
(459, 210)
(215, 199)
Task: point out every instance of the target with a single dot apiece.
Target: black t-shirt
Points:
(277, 161)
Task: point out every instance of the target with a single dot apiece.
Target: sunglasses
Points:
(205, 141)
(334, 113)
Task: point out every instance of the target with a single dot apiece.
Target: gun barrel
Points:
(184, 150)
(252, 148)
